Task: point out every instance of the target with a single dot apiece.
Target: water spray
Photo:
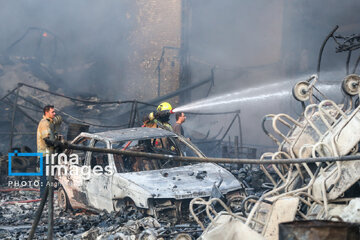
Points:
(257, 95)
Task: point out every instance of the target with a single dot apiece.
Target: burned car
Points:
(156, 187)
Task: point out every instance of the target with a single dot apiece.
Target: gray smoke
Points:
(251, 43)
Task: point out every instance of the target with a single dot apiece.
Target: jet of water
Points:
(235, 100)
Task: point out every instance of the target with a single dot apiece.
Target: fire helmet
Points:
(164, 106)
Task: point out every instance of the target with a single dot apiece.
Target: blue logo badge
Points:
(16, 154)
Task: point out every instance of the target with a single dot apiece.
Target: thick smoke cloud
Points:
(253, 44)
(250, 43)
(92, 39)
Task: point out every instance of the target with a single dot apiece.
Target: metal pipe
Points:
(38, 213)
(10, 103)
(82, 100)
(130, 124)
(322, 49)
(356, 65)
(348, 63)
(50, 182)
(228, 129)
(134, 114)
(240, 131)
(13, 118)
(67, 145)
(50, 232)
(10, 92)
(32, 103)
(179, 91)
(79, 120)
(236, 140)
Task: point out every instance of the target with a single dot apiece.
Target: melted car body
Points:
(151, 185)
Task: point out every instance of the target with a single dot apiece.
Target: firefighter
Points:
(162, 116)
(45, 130)
(147, 122)
(161, 119)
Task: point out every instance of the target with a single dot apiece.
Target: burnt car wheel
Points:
(63, 200)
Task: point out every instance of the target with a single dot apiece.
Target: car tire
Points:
(63, 200)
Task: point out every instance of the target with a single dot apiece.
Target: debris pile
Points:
(18, 215)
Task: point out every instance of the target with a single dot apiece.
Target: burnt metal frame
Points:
(341, 48)
(16, 107)
(42, 30)
(239, 142)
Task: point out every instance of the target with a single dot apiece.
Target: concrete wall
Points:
(158, 26)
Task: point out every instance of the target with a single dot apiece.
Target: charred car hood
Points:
(183, 182)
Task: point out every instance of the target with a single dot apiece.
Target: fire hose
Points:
(21, 201)
(20, 189)
(66, 145)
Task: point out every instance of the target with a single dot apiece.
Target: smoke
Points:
(259, 48)
(254, 103)
(92, 40)
(257, 42)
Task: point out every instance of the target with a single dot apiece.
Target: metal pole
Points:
(10, 103)
(50, 181)
(138, 114)
(236, 140)
(178, 91)
(322, 49)
(131, 114)
(38, 213)
(348, 63)
(356, 64)
(13, 118)
(228, 129)
(152, 156)
(10, 92)
(135, 113)
(50, 232)
(240, 131)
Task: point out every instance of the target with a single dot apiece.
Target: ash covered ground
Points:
(16, 219)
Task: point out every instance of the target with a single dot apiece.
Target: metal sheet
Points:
(183, 182)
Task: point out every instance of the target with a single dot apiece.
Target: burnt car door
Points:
(98, 180)
(72, 181)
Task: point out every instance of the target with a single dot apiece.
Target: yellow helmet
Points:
(164, 106)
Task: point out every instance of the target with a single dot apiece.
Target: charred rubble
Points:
(17, 219)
